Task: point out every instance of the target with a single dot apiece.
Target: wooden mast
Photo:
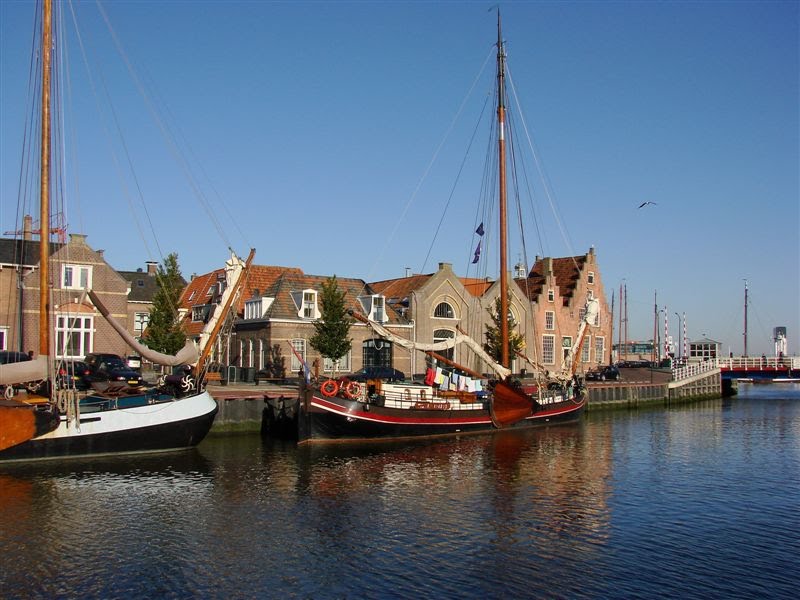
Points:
(44, 193)
(501, 118)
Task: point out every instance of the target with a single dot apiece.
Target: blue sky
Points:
(315, 126)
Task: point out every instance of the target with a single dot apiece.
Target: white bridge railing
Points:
(692, 369)
(762, 363)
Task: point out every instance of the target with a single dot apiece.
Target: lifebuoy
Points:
(329, 388)
(352, 390)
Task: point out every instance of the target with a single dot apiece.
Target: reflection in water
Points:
(626, 504)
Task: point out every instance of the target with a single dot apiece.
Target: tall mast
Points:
(745, 317)
(44, 194)
(501, 119)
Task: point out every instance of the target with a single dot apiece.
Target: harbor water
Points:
(696, 501)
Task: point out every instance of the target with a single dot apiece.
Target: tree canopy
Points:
(164, 332)
(333, 328)
(493, 345)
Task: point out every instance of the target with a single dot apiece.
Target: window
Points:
(444, 311)
(378, 314)
(3, 338)
(309, 305)
(551, 295)
(549, 320)
(344, 364)
(76, 277)
(548, 349)
(252, 309)
(74, 336)
(599, 349)
(590, 277)
(140, 282)
(376, 353)
(140, 322)
(200, 312)
(299, 348)
(590, 295)
(442, 335)
(586, 349)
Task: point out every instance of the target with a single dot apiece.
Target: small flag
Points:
(479, 230)
(477, 253)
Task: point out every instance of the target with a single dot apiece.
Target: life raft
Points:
(329, 388)
(352, 389)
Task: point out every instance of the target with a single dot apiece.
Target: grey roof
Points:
(143, 285)
(22, 252)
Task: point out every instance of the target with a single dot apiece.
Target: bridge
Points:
(759, 367)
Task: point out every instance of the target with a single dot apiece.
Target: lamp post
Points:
(680, 353)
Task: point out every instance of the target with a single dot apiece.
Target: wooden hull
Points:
(162, 425)
(20, 422)
(323, 419)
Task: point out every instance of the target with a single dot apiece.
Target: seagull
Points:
(643, 204)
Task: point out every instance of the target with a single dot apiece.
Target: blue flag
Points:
(479, 230)
(477, 253)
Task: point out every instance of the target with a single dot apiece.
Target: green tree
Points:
(333, 328)
(164, 332)
(493, 345)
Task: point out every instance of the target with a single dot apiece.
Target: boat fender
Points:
(329, 388)
(352, 390)
(430, 375)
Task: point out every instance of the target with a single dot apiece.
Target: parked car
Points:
(111, 368)
(387, 373)
(604, 373)
(73, 374)
(9, 356)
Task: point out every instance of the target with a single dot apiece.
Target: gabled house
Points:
(142, 288)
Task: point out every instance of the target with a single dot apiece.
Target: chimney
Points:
(408, 271)
(548, 266)
(79, 238)
(100, 252)
(152, 267)
(445, 265)
(27, 227)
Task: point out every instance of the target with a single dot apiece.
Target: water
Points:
(691, 502)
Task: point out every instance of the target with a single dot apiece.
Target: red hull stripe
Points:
(357, 412)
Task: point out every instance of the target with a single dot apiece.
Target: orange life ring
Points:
(329, 388)
(352, 390)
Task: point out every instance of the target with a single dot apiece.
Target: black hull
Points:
(321, 419)
(164, 436)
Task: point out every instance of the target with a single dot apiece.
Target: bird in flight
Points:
(643, 204)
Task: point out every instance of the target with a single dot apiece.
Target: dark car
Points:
(605, 373)
(9, 356)
(387, 373)
(111, 368)
(72, 374)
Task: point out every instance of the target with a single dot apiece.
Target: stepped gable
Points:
(566, 271)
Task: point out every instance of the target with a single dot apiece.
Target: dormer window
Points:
(551, 295)
(140, 282)
(257, 308)
(76, 277)
(590, 277)
(309, 305)
(374, 307)
(200, 312)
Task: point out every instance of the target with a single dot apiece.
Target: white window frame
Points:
(198, 313)
(549, 320)
(590, 277)
(551, 295)
(549, 349)
(80, 325)
(82, 270)
(586, 349)
(309, 305)
(344, 363)
(599, 348)
(379, 309)
(140, 322)
(299, 345)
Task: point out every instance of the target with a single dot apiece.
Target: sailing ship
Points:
(43, 418)
(453, 399)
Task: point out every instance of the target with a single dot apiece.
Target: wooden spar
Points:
(501, 117)
(225, 309)
(44, 191)
(453, 364)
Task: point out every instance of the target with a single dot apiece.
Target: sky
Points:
(330, 137)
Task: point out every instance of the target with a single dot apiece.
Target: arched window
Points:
(444, 311)
(441, 335)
